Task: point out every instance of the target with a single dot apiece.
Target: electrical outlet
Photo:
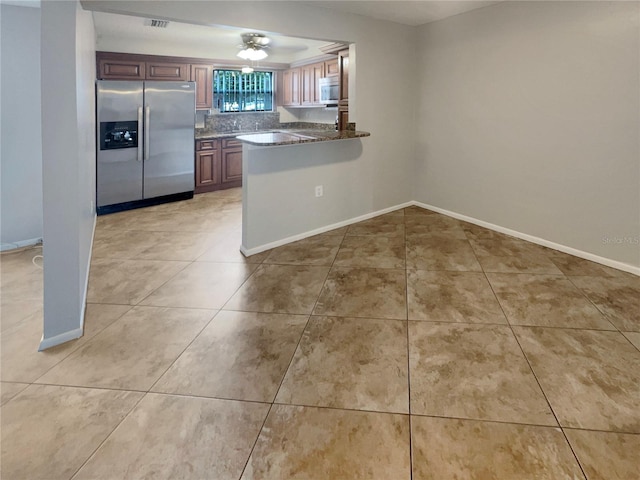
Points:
(319, 191)
(91, 209)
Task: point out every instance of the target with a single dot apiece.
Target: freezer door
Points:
(169, 138)
(119, 170)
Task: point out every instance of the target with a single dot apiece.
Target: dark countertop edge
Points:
(215, 136)
(342, 135)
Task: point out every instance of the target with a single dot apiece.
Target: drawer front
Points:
(231, 143)
(205, 145)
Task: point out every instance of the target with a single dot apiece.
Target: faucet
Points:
(235, 125)
(256, 126)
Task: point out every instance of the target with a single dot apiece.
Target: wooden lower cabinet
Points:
(231, 162)
(343, 117)
(207, 170)
(218, 165)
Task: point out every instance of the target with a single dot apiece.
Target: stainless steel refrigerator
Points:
(145, 151)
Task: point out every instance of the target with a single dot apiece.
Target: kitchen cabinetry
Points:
(343, 97)
(231, 162)
(331, 68)
(129, 67)
(203, 76)
(300, 85)
(309, 83)
(218, 164)
(207, 166)
(125, 66)
(291, 87)
(343, 66)
(120, 69)
(178, 72)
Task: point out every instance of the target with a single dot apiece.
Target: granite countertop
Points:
(216, 135)
(295, 137)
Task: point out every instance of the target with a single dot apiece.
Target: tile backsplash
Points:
(247, 121)
(227, 122)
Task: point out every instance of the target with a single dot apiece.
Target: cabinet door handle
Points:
(146, 132)
(140, 127)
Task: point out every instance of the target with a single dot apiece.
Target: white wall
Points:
(529, 118)
(21, 145)
(68, 74)
(276, 181)
(385, 50)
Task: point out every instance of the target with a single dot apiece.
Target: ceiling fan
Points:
(253, 46)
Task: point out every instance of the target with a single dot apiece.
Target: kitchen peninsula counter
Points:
(290, 193)
(295, 137)
(277, 137)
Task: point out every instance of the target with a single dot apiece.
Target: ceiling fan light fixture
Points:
(247, 69)
(253, 46)
(252, 54)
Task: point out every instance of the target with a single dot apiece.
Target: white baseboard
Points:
(78, 332)
(539, 241)
(21, 244)
(247, 252)
(83, 307)
(58, 339)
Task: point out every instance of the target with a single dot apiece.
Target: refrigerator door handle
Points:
(146, 133)
(139, 136)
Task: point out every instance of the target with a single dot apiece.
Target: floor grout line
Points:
(544, 394)
(95, 451)
(275, 396)
(406, 300)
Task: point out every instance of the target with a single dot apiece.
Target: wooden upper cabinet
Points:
(167, 71)
(343, 64)
(203, 76)
(117, 69)
(291, 87)
(331, 68)
(310, 74)
(306, 75)
(300, 85)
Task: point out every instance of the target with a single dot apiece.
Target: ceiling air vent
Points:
(158, 23)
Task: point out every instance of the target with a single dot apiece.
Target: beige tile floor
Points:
(409, 346)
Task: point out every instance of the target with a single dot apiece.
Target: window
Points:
(234, 91)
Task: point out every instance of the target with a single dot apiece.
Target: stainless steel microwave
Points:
(329, 90)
